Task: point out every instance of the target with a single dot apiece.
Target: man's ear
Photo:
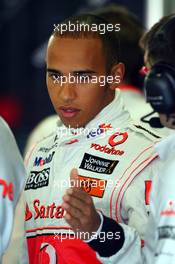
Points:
(117, 72)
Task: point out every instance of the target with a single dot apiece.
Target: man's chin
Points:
(72, 124)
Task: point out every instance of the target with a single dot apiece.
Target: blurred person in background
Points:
(158, 44)
(132, 86)
(12, 176)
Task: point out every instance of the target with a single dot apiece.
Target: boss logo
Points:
(38, 179)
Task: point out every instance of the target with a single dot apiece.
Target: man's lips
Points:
(69, 111)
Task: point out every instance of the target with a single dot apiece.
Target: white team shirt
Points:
(160, 242)
(121, 158)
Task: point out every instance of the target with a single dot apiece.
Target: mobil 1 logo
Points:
(38, 179)
(97, 164)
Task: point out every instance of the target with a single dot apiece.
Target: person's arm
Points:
(14, 252)
(120, 243)
(163, 211)
(12, 175)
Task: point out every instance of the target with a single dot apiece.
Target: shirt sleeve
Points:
(12, 175)
(163, 211)
(17, 249)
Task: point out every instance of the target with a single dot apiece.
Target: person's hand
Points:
(81, 214)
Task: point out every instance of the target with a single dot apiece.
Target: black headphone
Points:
(159, 84)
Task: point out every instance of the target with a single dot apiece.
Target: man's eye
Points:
(55, 76)
(84, 77)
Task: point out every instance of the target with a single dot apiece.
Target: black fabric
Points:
(111, 244)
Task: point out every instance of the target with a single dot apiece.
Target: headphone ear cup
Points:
(159, 86)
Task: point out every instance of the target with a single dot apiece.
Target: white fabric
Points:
(42, 130)
(53, 158)
(160, 242)
(14, 250)
(12, 175)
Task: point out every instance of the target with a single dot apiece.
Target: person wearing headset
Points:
(158, 247)
(159, 45)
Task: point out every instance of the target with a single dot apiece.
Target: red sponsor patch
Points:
(93, 186)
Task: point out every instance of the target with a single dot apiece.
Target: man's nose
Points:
(67, 92)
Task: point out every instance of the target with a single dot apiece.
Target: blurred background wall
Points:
(25, 26)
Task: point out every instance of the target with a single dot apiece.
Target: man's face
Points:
(77, 103)
(167, 120)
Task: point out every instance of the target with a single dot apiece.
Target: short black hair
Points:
(110, 40)
(159, 47)
(130, 33)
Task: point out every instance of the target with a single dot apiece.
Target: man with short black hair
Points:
(65, 224)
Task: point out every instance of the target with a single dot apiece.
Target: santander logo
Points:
(44, 211)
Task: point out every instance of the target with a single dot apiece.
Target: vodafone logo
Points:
(107, 150)
(117, 138)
